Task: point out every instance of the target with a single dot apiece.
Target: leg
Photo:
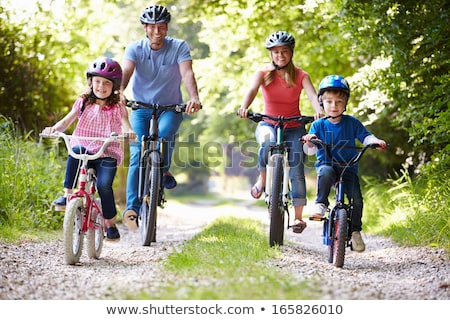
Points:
(140, 122)
(106, 169)
(169, 123)
(297, 175)
(326, 178)
(353, 191)
(265, 136)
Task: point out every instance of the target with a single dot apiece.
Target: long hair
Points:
(290, 76)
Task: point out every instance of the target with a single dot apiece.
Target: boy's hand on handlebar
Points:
(308, 137)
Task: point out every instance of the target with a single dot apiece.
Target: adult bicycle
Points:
(278, 187)
(83, 213)
(151, 164)
(337, 222)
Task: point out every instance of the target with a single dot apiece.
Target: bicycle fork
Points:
(269, 176)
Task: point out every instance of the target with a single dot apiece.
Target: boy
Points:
(338, 129)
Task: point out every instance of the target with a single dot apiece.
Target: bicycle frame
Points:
(337, 230)
(277, 192)
(83, 214)
(151, 164)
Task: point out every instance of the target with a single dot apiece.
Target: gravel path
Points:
(34, 271)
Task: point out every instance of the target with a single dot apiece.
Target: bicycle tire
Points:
(340, 238)
(150, 201)
(73, 234)
(276, 208)
(95, 234)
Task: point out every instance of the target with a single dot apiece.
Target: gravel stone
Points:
(385, 271)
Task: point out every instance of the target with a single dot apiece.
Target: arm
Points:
(127, 71)
(127, 130)
(312, 96)
(62, 124)
(187, 74)
(251, 94)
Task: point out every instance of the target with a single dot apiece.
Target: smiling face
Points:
(281, 55)
(102, 87)
(156, 34)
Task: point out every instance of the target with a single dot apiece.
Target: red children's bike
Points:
(83, 214)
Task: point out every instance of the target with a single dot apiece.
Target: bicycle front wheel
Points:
(149, 205)
(73, 233)
(340, 238)
(95, 234)
(276, 208)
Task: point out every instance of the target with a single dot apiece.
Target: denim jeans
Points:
(327, 177)
(168, 123)
(105, 169)
(266, 136)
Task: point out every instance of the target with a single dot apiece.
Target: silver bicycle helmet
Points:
(280, 38)
(155, 14)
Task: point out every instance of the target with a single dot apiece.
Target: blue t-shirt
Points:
(343, 133)
(157, 77)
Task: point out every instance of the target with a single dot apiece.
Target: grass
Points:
(227, 261)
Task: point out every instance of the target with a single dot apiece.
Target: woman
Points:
(282, 84)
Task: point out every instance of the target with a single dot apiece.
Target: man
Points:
(159, 63)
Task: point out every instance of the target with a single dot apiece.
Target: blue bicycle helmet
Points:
(333, 82)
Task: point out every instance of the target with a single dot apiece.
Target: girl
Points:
(99, 114)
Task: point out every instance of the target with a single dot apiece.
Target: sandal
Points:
(299, 226)
(256, 192)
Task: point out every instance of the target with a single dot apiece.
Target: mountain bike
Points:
(151, 164)
(337, 222)
(277, 191)
(83, 214)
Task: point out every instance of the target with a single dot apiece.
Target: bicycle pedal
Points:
(58, 208)
(311, 218)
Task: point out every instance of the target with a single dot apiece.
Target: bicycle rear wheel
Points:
(73, 233)
(150, 201)
(95, 235)
(276, 208)
(340, 237)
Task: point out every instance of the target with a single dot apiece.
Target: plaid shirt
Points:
(99, 121)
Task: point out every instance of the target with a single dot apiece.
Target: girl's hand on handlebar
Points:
(48, 131)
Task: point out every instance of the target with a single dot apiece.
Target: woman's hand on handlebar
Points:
(242, 112)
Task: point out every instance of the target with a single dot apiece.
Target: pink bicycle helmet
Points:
(106, 68)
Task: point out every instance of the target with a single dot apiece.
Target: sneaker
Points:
(319, 211)
(61, 201)
(130, 219)
(112, 234)
(169, 181)
(357, 242)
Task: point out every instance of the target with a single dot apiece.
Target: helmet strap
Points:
(278, 67)
(103, 99)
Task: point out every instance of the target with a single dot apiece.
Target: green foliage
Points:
(412, 212)
(228, 260)
(412, 39)
(27, 185)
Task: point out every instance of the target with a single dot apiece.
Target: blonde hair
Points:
(290, 76)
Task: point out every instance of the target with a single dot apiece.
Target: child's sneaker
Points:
(319, 211)
(357, 242)
(60, 202)
(112, 234)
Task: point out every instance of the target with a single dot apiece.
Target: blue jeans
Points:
(106, 171)
(168, 123)
(327, 177)
(266, 136)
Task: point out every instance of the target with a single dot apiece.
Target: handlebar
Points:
(135, 105)
(67, 138)
(257, 117)
(354, 160)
